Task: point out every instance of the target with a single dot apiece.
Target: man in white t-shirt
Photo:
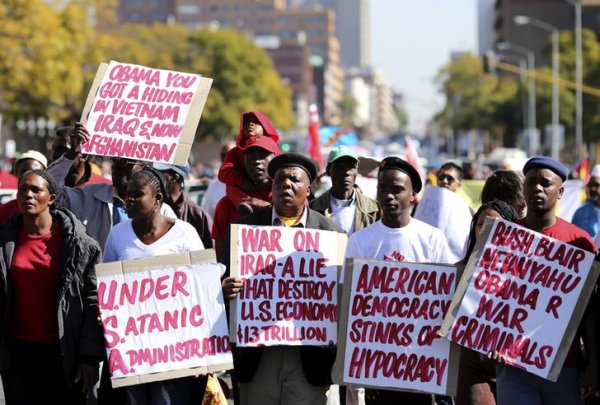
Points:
(398, 236)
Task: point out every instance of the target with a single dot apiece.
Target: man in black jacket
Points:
(289, 375)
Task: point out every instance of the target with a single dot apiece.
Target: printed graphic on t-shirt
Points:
(395, 255)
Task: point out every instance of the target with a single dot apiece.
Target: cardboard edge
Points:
(166, 375)
(463, 284)
(337, 371)
(108, 269)
(92, 93)
(233, 272)
(573, 325)
(184, 146)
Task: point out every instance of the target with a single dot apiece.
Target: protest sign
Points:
(448, 212)
(389, 318)
(523, 295)
(290, 285)
(141, 113)
(163, 317)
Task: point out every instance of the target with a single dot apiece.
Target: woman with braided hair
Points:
(148, 233)
(477, 373)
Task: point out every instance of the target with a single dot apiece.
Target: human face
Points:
(141, 199)
(33, 197)
(593, 190)
(60, 146)
(252, 127)
(486, 213)
(448, 178)
(542, 189)
(256, 161)
(394, 194)
(291, 189)
(343, 172)
(122, 170)
(26, 165)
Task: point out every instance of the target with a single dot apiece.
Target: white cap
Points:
(595, 171)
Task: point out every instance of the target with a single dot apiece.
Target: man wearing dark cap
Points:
(543, 188)
(399, 237)
(344, 202)
(286, 375)
(183, 206)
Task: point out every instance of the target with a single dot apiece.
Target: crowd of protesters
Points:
(67, 217)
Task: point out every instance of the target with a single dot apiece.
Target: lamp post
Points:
(524, 20)
(532, 127)
(578, 79)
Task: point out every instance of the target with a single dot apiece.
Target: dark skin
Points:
(34, 201)
(61, 146)
(122, 169)
(593, 190)
(343, 172)
(542, 189)
(291, 188)
(395, 196)
(143, 203)
(256, 161)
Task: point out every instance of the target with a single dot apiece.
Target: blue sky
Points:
(412, 39)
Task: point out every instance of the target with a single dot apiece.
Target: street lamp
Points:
(533, 139)
(524, 20)
(578, 79)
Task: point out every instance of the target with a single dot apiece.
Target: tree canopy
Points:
(49, 56)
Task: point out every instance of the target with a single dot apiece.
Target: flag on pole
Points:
(314, 142)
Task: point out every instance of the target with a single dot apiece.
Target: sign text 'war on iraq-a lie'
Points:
(289, 295)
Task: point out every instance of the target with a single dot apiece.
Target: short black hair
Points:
(505, 185)
(452, 165)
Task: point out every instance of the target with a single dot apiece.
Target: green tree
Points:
(476, 100)
(347, 106)
(40, 72)
(244, 79)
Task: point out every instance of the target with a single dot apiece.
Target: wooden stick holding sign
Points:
(389, 318)
(523, 295)
(137, 112)
(290, 278)
(163, 317)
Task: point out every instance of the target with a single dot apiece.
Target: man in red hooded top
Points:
(253, 125)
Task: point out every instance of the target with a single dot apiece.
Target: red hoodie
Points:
(232, 169)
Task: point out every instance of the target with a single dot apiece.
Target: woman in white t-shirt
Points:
(149, 233)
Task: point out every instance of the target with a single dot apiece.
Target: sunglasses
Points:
(447, 178)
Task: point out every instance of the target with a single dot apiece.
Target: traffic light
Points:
(489, 62)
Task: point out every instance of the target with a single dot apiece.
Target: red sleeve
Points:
(225, 214)
(230, 173)
(8, 210)
(235, 194)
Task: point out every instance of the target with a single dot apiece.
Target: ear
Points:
(413, 196)
(52, 199)
(560, 192)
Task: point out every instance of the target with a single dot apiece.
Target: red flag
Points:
(314, 142)
(583, 168)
